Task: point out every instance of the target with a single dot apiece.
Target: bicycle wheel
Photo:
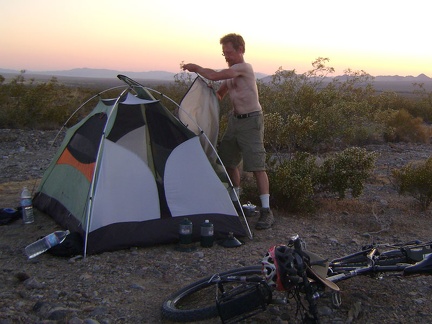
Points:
(197, 301)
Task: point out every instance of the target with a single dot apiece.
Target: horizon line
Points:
(8, 70)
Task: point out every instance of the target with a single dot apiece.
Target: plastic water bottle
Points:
(45, 243)
(207, 234)
(27, 206)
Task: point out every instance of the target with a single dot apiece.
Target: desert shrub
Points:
(342, 124)
(296, 180)
(291, 93)
(401, 126)
(286, 133)
(415, 180)
(340, 110)
(423, 106)
(355, 86)
(292, 182)
(346, 170)
(27, 104)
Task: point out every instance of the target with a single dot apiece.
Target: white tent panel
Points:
(126, 190)
(191, 185)
(200, 111)
(134, 100)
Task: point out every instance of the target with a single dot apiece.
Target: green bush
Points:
(292, 182)
(415, 179)
(297, 180)
(347, 170)
(341, 111)
(286, 133)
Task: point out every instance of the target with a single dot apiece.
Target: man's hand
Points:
(209, 73)
(191, 67)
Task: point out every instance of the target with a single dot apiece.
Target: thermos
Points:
(207, 234)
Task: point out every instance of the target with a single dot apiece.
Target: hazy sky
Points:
(381, 37)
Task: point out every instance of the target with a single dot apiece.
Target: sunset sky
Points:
(381, 37)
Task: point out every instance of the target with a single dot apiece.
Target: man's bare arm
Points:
(210, 73)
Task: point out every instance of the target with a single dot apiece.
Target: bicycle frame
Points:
(244, 292)
(372, 261)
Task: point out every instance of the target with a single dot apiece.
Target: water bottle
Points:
(27, 206)
(45, 243)
(207, 234)
(185, 231)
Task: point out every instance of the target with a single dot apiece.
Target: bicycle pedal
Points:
(336, 298)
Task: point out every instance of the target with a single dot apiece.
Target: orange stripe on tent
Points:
(85, 169)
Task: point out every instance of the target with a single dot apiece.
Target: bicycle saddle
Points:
(318, 270)
(422, 267)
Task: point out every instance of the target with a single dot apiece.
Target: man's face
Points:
(231, 55)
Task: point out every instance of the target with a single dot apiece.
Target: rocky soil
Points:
(129, 286)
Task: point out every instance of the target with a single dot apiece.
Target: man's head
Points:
(236, 40)
(233, 48)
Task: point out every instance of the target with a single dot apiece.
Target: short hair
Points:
(235, 39)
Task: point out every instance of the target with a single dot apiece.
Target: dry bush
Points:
(415, 179)
(401, 126)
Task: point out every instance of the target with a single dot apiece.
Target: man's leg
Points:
(262, 182)
(234, 175)
(266, 219)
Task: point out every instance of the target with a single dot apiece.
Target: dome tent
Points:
(129, 172)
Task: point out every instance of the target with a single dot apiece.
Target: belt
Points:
(251, 114)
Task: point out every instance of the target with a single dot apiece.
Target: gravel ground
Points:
(129, 286)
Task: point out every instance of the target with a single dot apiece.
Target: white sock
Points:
(235, 193)
(265, 201)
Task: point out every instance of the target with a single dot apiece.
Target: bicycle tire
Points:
(174, 308)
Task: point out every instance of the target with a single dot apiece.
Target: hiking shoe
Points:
(266, 219)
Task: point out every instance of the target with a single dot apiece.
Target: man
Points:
(244, 137)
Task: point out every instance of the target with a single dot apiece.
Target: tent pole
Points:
(96, 169)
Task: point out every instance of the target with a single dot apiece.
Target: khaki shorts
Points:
(244, 140)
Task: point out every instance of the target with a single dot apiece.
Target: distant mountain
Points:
(91, 76)
(106, 73)
(101, 73)
(392, 78)
(380, 78)
(259, 75)
(420, 78)
(8, 71)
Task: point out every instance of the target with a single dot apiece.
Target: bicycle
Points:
(293, 271)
